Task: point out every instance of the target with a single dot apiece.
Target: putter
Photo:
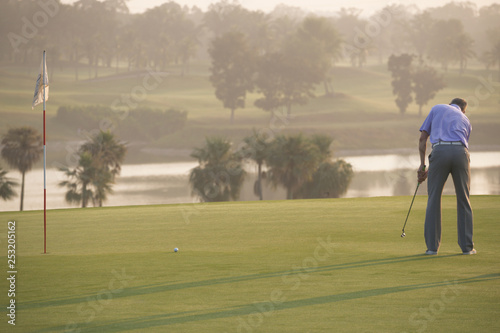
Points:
(418, 184)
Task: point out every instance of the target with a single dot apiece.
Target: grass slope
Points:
(274, 266)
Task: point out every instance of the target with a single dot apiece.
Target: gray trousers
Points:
(443, 160)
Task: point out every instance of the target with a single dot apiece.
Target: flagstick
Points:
(44, 166)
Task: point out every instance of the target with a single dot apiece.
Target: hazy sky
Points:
(368, 6)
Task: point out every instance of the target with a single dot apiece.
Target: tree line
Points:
(283, 55)
(104, 33)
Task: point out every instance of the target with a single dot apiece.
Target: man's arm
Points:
(422, 148)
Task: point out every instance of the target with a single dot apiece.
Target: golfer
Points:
(449, 129)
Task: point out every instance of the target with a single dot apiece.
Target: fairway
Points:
(330, 265)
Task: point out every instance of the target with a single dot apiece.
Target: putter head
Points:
(403, 235)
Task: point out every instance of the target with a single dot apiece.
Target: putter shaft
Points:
(409, 210)
(410, 207)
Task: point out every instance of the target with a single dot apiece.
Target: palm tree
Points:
(331, 179)
(292, 161)
(220, 175)
(107, 155)
(256, 148)
(323, 142)
(102, 184)
(106, 151)
(79, 181)
(22, 148)
(100, 162)
(6, 186)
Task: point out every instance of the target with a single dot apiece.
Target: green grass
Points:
(254, 267)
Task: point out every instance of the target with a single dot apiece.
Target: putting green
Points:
(275, 266)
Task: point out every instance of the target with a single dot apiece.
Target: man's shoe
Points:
(473, 251)
(432, 253)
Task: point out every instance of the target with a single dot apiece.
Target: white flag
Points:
(38, 98)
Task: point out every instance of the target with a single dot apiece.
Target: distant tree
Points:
(223, 16)
(450, 43)
(161, 36)
(256, 148)
(292, 162)
(289, 77)
(426, 83)
(355, 43)
(75, 36)
(460, 10)
(270, 82)
(6, 186)
(359, 56)
(233, 65)
(386, 30)
(419, 33)
(22, 148)
(281, 28)
(220, 174)
(492, 57)
(346, 22)
(294, 13)
(400, 67)
(95, 30)
(486, 30)
(324, 32)
(118, 6)
(188, 48)
(464, 46)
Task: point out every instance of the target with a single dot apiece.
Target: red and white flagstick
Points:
(44, 165)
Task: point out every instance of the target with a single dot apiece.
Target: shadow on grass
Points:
(260, 308)
(156, 288)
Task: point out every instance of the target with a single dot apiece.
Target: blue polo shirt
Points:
(447, 123)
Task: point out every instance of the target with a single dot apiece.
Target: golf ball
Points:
(176, 249)
(403, 234)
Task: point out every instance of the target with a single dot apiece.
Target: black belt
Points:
(449, 143)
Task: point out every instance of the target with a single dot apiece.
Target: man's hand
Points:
(421, 174)
(422, 147)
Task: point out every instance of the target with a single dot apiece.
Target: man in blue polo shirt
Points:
(448, 129)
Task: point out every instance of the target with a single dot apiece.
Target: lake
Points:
(167, 183)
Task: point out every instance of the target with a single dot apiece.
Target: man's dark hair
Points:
(462, 103)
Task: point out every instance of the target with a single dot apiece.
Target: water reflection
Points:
(484, 181)
(383, 175)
